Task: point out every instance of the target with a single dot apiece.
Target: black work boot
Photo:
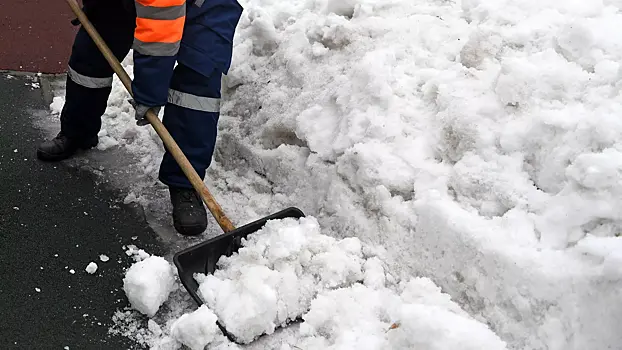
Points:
(62, 147)
(189, 215)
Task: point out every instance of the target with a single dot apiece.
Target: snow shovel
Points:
(201, 258)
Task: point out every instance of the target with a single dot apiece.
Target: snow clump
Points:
(91, 268)
(148, 283)
(276, 274)
(196, 329)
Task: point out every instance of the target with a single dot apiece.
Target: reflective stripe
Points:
(150, 12)
(199, 3)
(89, 82)
(160, 3)
(199, 103)
(156, 49)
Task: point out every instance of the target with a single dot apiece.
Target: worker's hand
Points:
(141, 111)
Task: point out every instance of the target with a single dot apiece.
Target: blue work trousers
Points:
(191, 114)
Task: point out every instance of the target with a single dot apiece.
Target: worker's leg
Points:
(89, 80)
(191, 116)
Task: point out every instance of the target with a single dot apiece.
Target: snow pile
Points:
(276, 274)
(360, 317)
(148, 283)
(477, 140)
(339, 289)
(608, 251)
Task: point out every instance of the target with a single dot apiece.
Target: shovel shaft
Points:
(166, 137)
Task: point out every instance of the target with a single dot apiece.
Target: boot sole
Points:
(190, 230)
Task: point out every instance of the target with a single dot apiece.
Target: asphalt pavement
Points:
(54, 220)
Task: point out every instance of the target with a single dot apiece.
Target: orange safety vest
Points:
(159, 26)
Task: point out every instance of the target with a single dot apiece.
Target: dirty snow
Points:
(477, 141)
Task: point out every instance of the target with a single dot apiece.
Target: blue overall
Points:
(190, 93)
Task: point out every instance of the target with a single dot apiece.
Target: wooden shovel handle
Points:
(166, 137)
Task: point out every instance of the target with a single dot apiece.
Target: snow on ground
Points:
(287, 271)
(358, 317)
(476, 140)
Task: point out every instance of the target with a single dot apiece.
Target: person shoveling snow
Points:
(161, 34)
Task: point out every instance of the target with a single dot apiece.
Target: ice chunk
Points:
(91, 268)
(57, 104)
(148, 283)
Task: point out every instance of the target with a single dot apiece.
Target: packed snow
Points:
(476, 140)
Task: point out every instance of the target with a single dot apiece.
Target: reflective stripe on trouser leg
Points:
(89, 77)
(190, 101)
(191, 116)
(88, 82)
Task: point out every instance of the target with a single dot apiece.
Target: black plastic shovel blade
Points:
(202, 258)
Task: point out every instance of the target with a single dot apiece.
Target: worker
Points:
(195, 34)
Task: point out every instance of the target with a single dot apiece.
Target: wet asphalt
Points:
(54, 220)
